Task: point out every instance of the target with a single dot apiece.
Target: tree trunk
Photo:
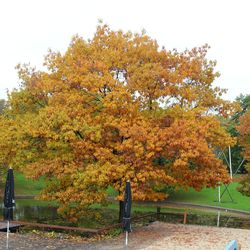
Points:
(120, 211)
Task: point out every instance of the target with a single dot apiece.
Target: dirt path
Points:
(156, 236)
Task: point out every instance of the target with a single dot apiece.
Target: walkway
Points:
(156, 236)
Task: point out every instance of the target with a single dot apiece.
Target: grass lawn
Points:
(209, 196)
(24, 186)
(206, 196)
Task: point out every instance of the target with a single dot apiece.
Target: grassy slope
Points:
(25, 186)
(209, 196)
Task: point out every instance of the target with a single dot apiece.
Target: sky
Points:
(29, 28)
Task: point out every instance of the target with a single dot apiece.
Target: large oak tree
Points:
(114, 108)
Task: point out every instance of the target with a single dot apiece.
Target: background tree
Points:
(2, 104)
(114, 108)
(2, 168)
(244, 140)
(231, 124)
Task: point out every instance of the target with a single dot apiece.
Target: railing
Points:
(79, 229)
(158, 215)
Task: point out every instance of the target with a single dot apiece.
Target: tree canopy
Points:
(244, 140)
(2, 104)
(231, 124)
(114, 108)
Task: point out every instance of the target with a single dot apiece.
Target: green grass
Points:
(206, 196)
(24, 186)
(209, 196)
(112, 192)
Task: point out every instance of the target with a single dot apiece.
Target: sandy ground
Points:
(198, 237)
(156, 236)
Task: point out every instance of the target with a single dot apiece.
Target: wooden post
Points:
(185, 217)
(158, 213)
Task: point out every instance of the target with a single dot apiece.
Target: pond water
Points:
(40, 213)
(37, 213)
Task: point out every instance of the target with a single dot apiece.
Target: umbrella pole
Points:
(8, 226)
(126, 240)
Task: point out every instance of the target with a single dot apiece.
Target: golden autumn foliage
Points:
(244, 141)
(114, 108)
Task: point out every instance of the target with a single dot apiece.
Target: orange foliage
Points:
(244, 141)
(110, 109)
(244, 130)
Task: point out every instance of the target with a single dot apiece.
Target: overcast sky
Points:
(30, 27)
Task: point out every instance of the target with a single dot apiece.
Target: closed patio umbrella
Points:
(126, 223)
(9, 200)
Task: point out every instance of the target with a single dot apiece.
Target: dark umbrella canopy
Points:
(127, 208)
(9, 198)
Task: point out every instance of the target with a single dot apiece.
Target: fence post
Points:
(185, 217)
(158, 213)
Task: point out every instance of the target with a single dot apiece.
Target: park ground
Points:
(155, 236)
